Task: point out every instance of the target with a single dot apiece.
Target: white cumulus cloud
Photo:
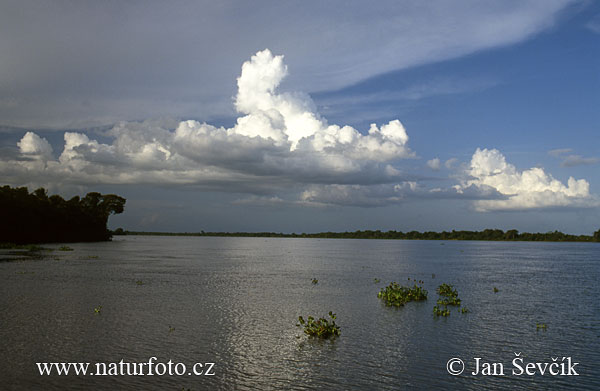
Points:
(279, 140)
(34, 146)
(528, 189)
(434, 164)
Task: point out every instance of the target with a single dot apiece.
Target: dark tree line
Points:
(38, 218)
(487, 234)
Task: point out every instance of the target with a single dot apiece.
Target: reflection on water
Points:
(235, 302)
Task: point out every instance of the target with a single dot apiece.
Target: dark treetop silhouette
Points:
(36, 218)
(487, 234)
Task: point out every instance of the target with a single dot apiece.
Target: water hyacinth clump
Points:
(455, 301)
(396, 295)
(438, 311)
(320, 328)
(448, 296)
(447, 290)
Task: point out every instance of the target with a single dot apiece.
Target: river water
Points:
(235, 302)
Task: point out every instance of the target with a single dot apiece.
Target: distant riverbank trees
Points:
(487, 234)
(38, 218)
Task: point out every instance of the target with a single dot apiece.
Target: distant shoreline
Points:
(485, 235)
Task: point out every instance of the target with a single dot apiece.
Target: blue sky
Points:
(240, 117)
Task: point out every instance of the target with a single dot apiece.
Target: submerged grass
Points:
(28, 247)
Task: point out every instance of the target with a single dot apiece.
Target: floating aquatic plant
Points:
(455, 301)
(448, 296)
(437, 311)
(98, 309)
(171, 329)
(376, 280)
(446, 290)
(397, 295)
(321, 328)
(541, 326)
(65, 248)
(315, 281)
(496, 290)
(139, 282)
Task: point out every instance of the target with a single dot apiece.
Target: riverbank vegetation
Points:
(38, 218)
(487, 234)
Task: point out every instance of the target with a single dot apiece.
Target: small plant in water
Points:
(139, 282)
(496, 290)
(448, 296)
(376, 280)
(446, 290)
(541, 326)
(98, 309)
(65, 248)
(315, 281)
(321, 328)
(171, 329)
(396, 295)
(437, 311)
(455, 301)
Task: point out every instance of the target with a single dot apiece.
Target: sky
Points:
(308, 116)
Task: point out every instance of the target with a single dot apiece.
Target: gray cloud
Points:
(559, 152)
(578, 160)
(572, 160)
(88, 63)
